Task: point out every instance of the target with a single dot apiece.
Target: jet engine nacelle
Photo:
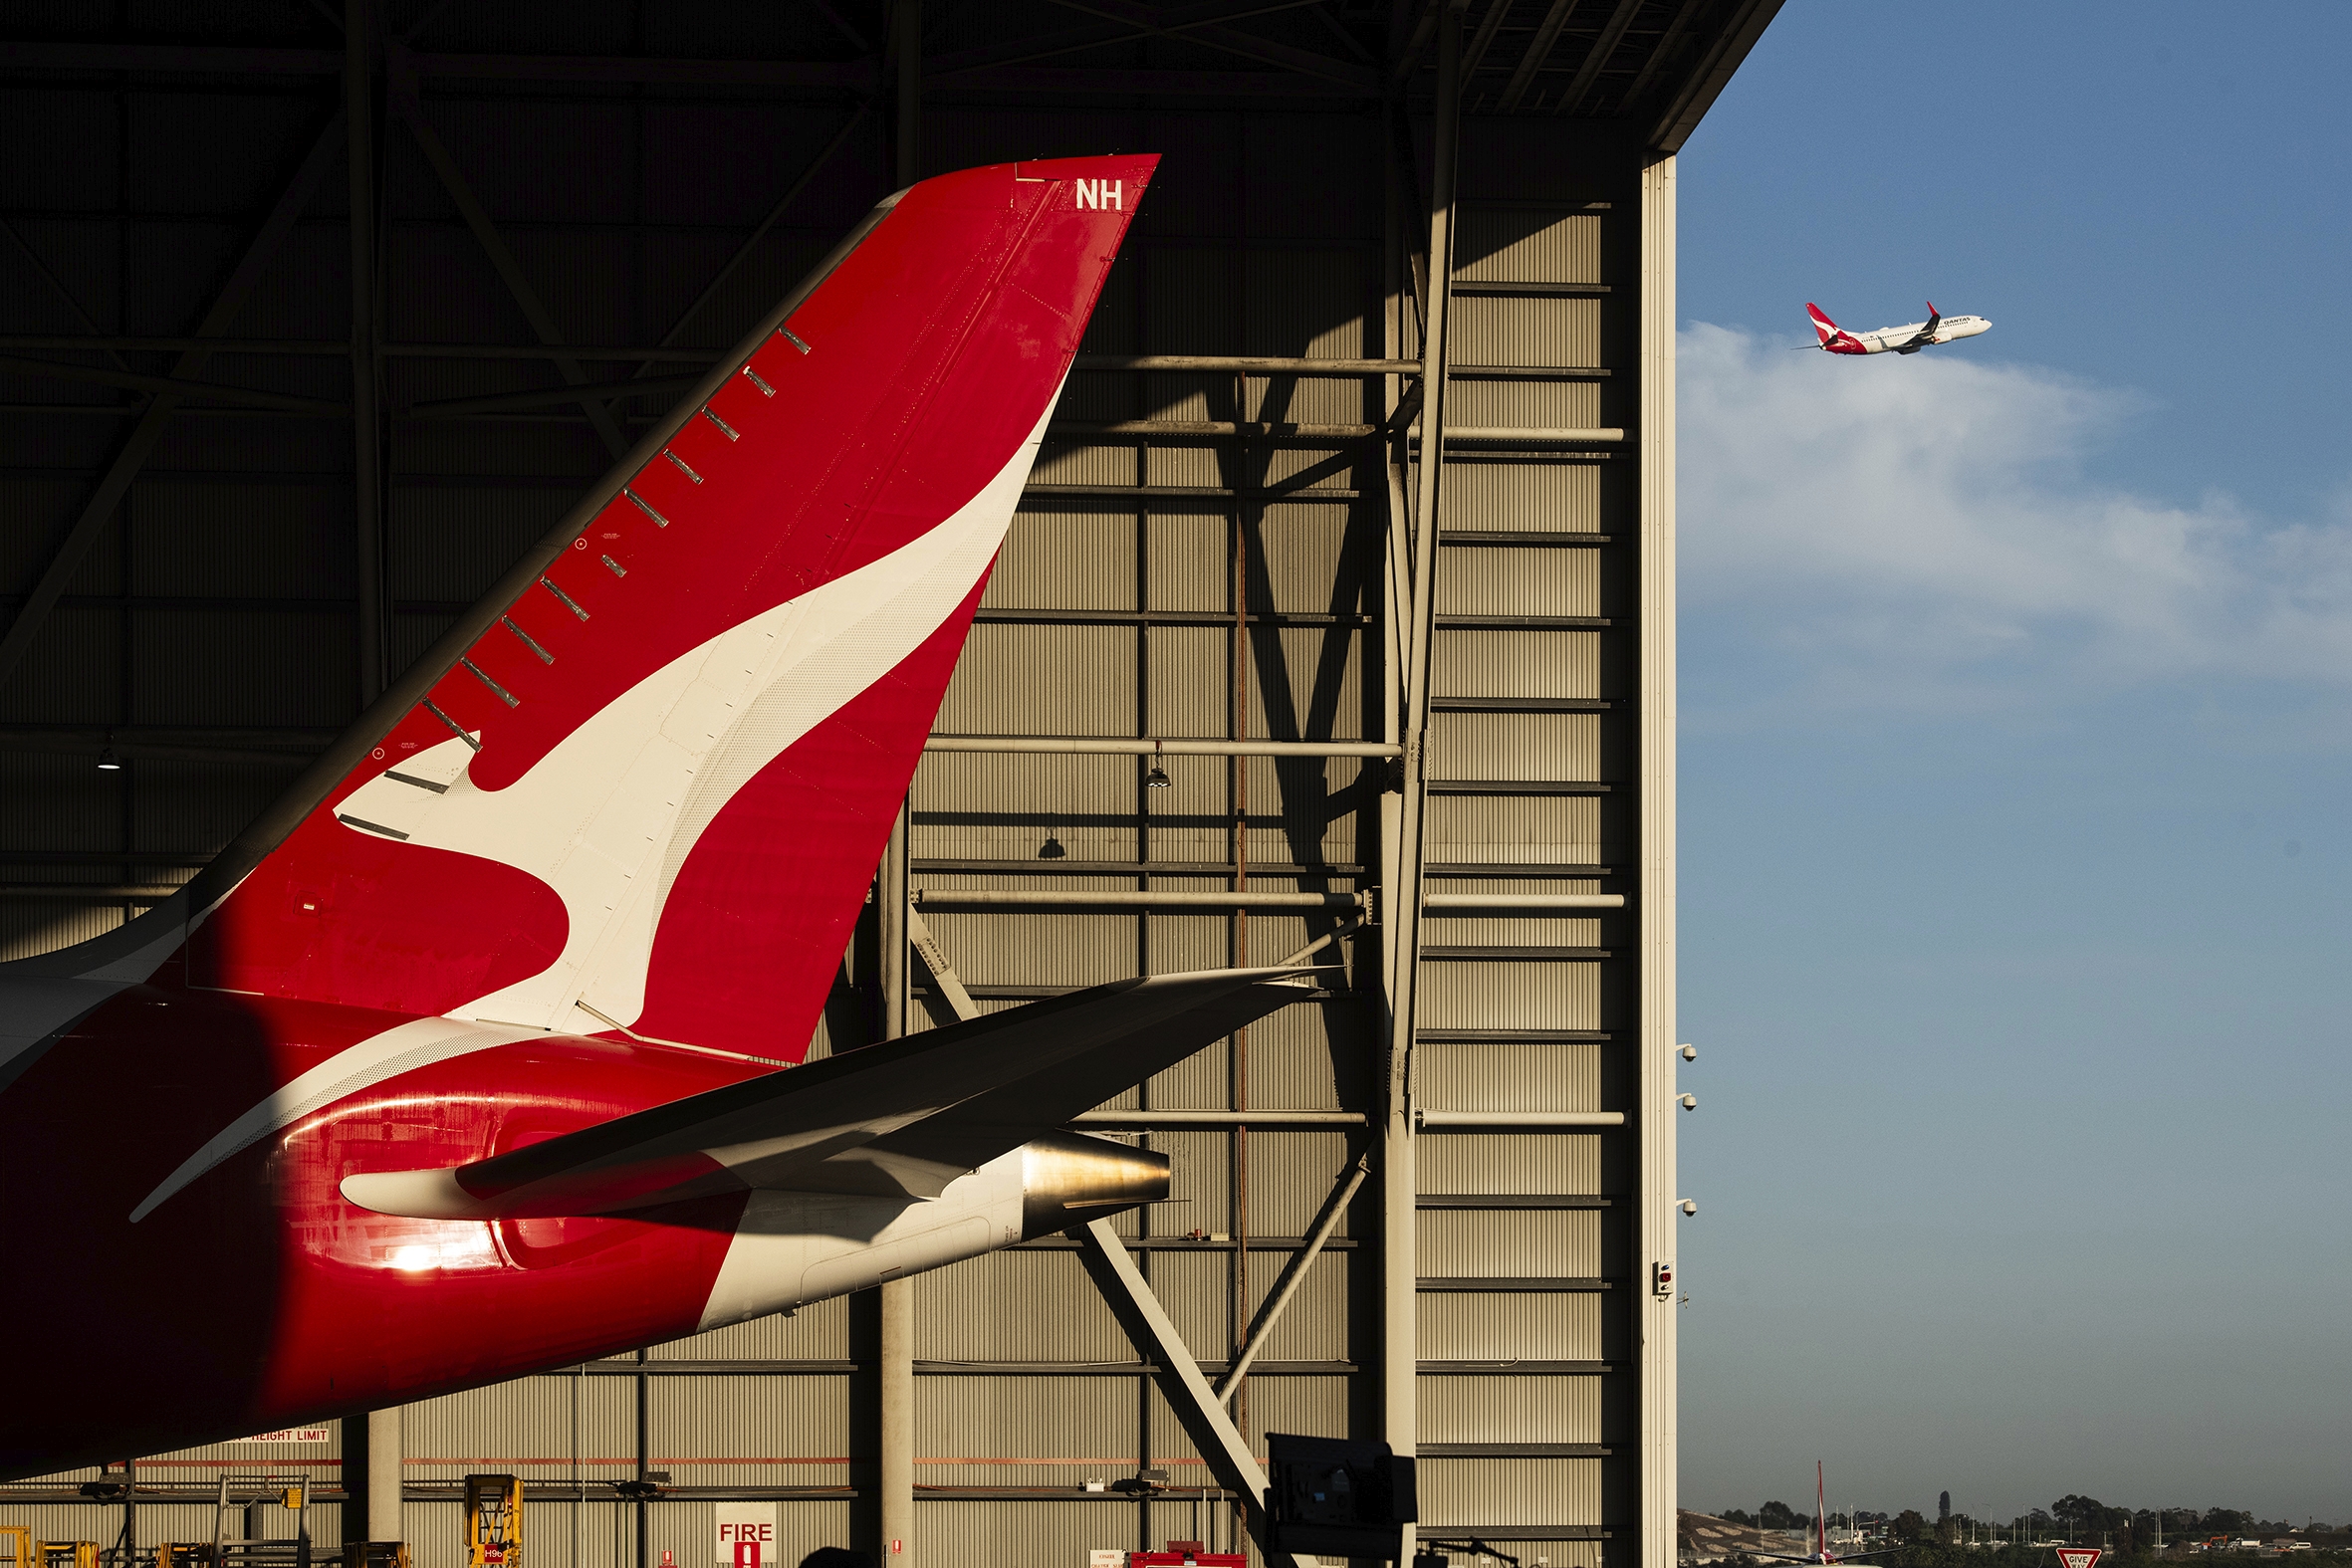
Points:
(793, 1248)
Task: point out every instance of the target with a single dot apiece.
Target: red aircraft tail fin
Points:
(643, 784)
(1822, 324)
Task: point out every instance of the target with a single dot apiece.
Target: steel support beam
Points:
(132, 380)
(384, 1454)
(896, 1379)
(944, 978)
(1700, 89)
(1078, 746)
(1612, 34)
(1519, 1118)
(403, 100)
(895, 1369)
(1146, 19)
(1294, 1275)
(1156, 1339)
(359, 112)
(1247, 365)
(744, 251)
(907, 42)
(1145, 1120)
(1173, 20)
(170, 59)
(1539, 51)
(1654, 1312)
(1399, 1183)
(139, 444)
(858, 76)
(1114, 83)
(1523, 903)
(1006, 899)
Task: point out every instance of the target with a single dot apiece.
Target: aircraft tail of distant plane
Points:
(641, 788)
(1834, 338)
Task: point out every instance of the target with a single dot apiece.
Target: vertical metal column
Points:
(358, 87)
(908, 23)
(895, 1374)
(1655, 1322)
(898, 1420)
(383, 1475)
(644, 1384)
(1399, 1352)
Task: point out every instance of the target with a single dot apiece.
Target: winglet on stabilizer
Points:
(902, 1118)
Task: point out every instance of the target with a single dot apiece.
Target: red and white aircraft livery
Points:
(1910, 338)
(462, 1062)
(1821, 1556)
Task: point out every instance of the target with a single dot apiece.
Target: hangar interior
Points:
(317, 314)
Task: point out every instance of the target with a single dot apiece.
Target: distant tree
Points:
(2224, 1521)
(1777, 1515)
(2080, 1512)
(1909, 1525)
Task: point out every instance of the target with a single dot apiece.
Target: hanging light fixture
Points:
(1159, 778)
(1051, 848)
(107, 762)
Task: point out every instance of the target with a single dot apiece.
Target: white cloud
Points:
(1907, 526)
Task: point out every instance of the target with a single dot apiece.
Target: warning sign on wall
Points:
(747, 1535)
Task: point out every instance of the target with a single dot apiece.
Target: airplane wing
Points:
(1926, 333)
(901, 1118)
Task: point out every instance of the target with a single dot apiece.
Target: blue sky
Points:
(2016, 728)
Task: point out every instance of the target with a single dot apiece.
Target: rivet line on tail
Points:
(725, 428)
(565, 597)
(545, 657)
(754, 376)
(497, 690)
(619, 570)
(680, 464)
(454, 728)
(789, 338)
(645, 506)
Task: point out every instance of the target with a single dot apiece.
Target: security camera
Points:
(1687, 1206)
(1690, 1053)
(1689, 1102)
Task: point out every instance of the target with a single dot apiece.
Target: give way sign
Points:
(2078, 1557)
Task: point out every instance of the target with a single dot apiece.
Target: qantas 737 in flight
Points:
(1908, 339)
(474, 1057)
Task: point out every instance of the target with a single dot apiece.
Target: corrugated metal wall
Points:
(1197, 589)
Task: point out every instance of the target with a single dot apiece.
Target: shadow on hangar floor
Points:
(257, 456)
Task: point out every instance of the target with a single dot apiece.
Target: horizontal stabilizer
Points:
(904, 1118)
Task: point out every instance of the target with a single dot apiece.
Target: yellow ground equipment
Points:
(17, 1541)
(65, 1555)
(492, 1521)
